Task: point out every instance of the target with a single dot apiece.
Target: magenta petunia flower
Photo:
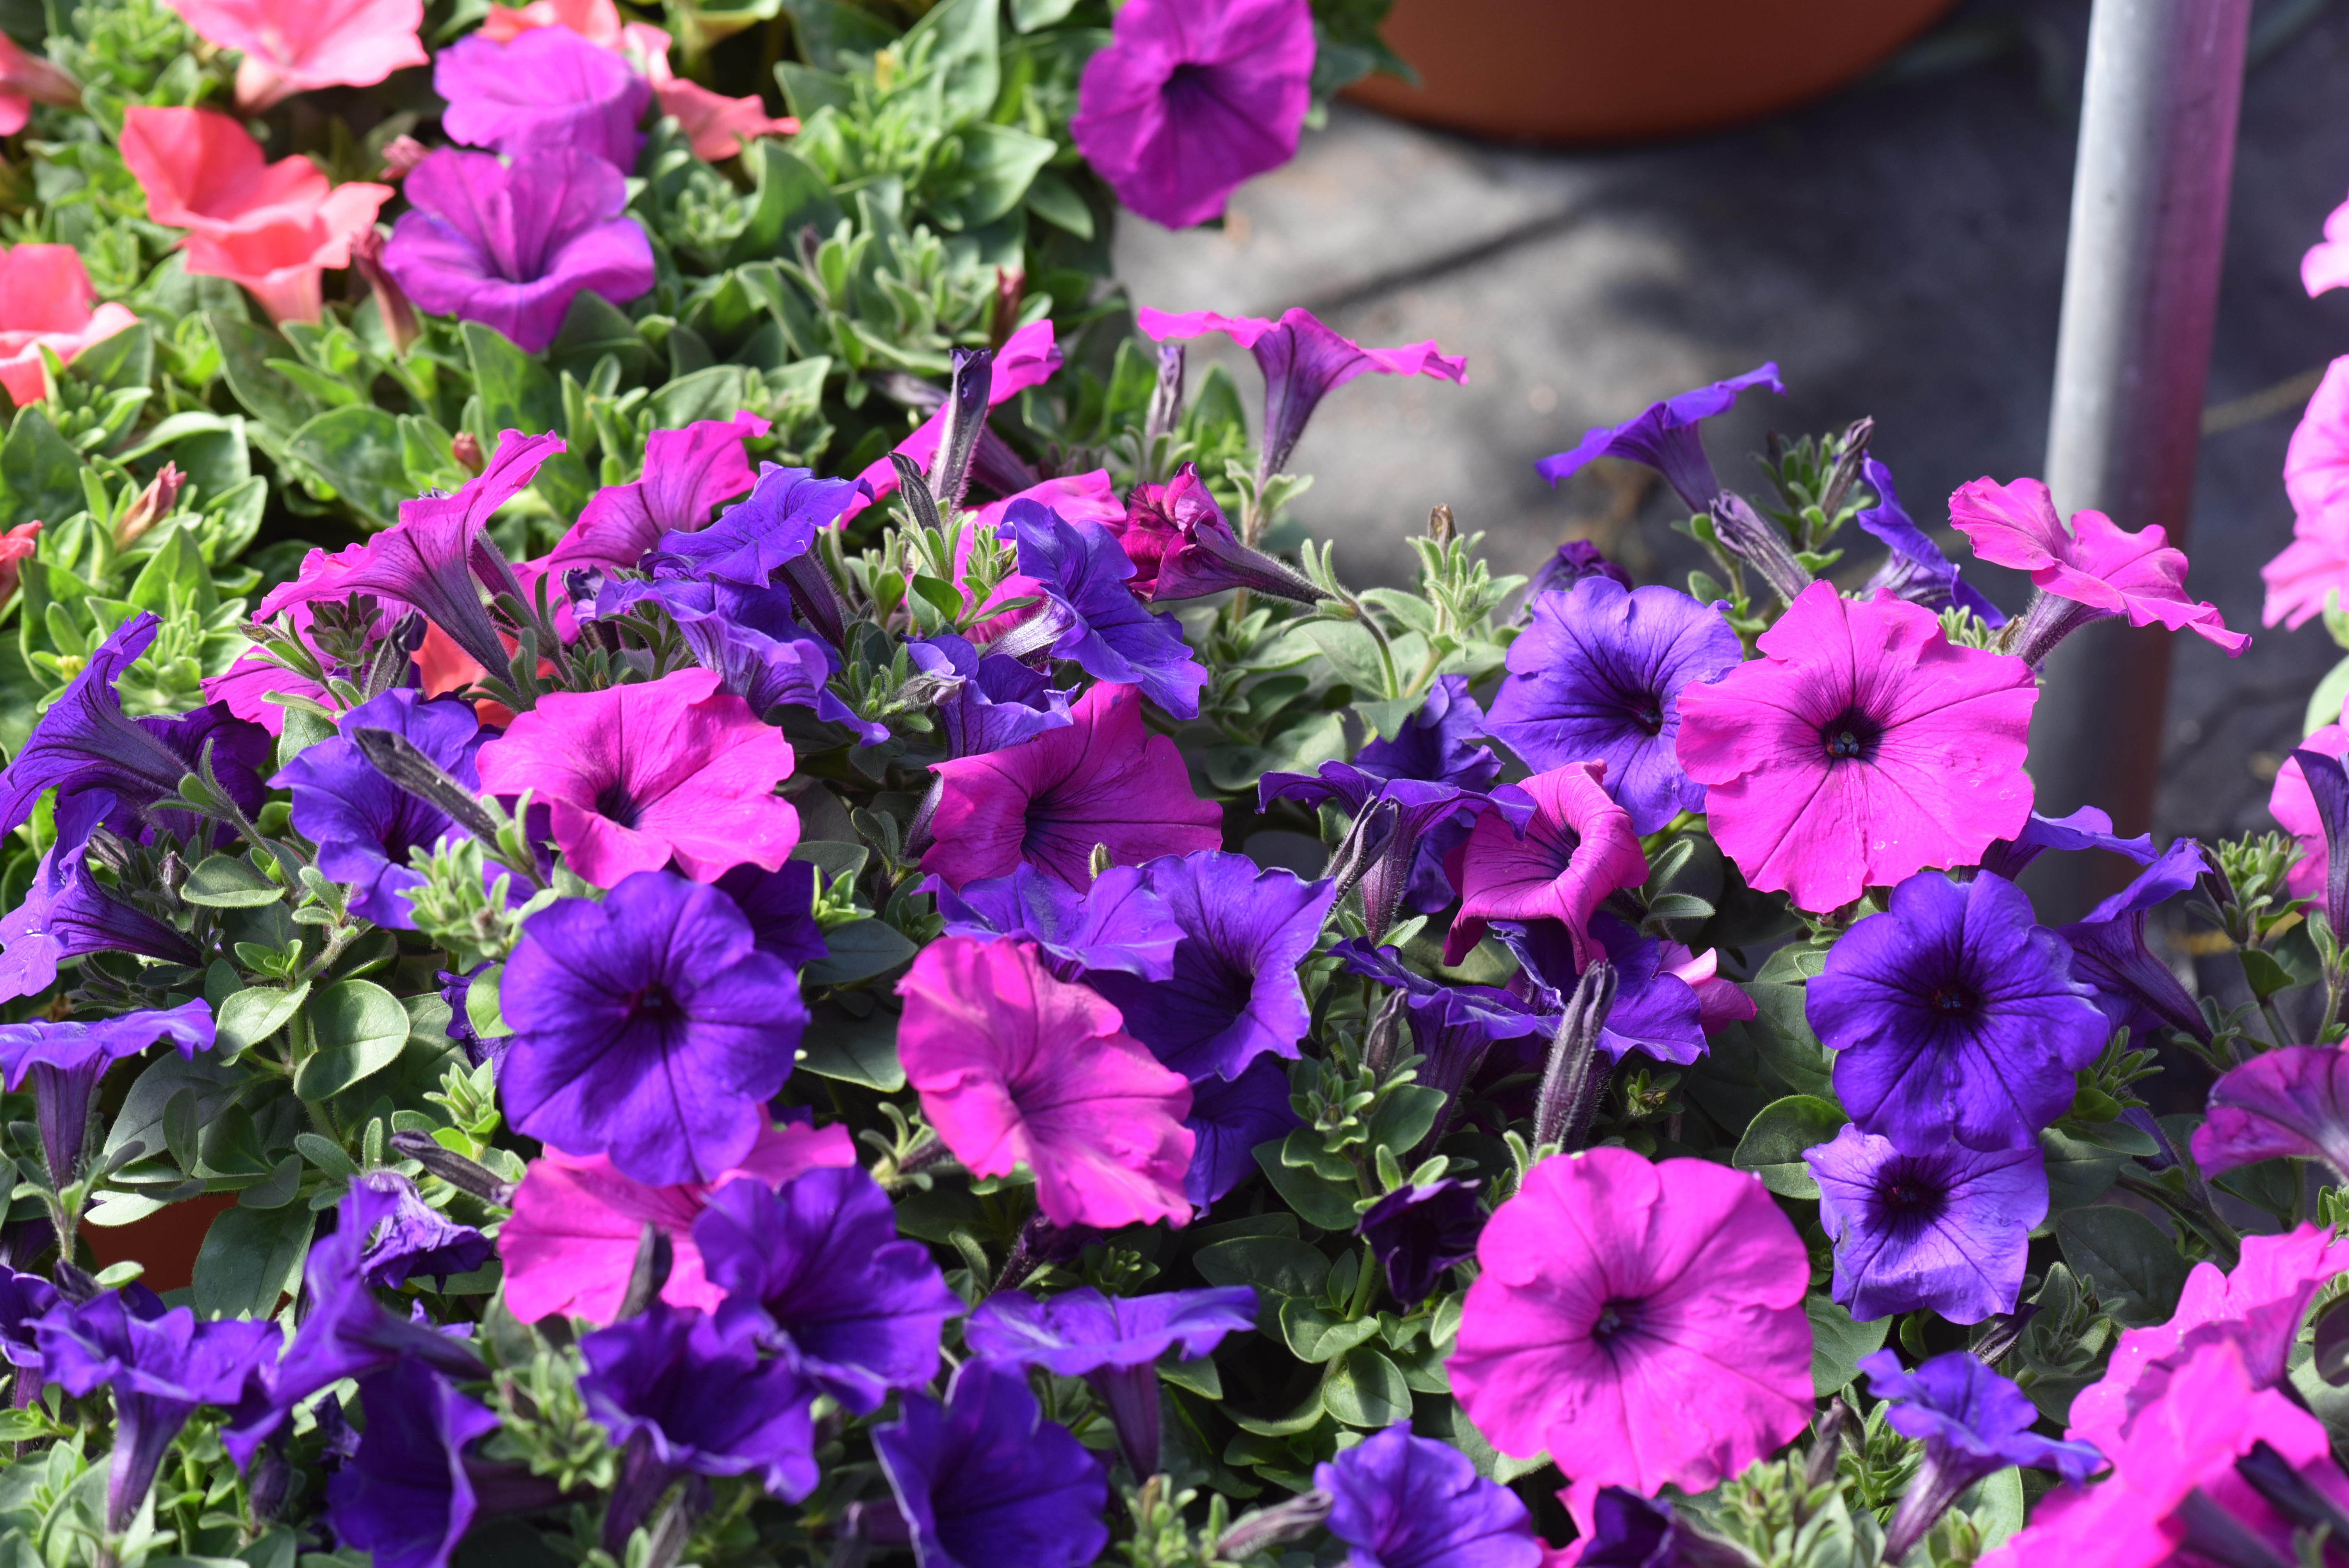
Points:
(2294, 806)
(2257, 1308)
(1860, 750)
(2176, 1477)
(1102, 778)
(686, 474)
(2316, 476)
(2293, 1102)
(547, 90)
(1579, 848)
(1642, 1323)
(510, 246)
(636, 774)
(2098, 570)
(2326, 264)
(572, 1239)
(1303, 361)
(1015, 1068)
(1193, 96)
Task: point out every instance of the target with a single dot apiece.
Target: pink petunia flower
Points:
(686, 474)
(1643, 1322)
(636, 774)
(572, 1240)
(1102, 778)
(2257, 1308)
(1861, 750)
(2293, 807)
(1579, 848)
(47, 302)
(2182, 1448)
(1028, 358)
(294, 46)
(26, 80)
(2316, 477)
(1017, 1068)
(272, 227)
(17, 547)
(1192, 98)
(1719, 1001)
(2096, 569)
(2326, 264)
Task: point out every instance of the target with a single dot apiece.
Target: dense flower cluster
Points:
(801, 940)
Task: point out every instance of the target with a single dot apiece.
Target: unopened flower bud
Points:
(1440, 526)
(1757, 541)
(401, 154)
(1279, 1525)
(1562, 1112)
(154, 504)
(466, 448)
(390, 300)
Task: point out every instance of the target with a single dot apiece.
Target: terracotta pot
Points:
(166, 1241)
(1601, 70)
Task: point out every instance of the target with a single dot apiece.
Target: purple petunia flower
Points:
(67, 911)
(688, 473)
(1597, 677)
(681, 1397)
(2290, 1102)
(1629, 1530)
(760, 534)
(1183, 547)
(1418, 1233)
(25, 1299)
(1229, 1118)
(346, 1332)
(1972, 1422)
(64, 1060)
(365, 825)
(1568, 564)
(2085, 828)
(159, 1366)
(1916, 571)
(1440, 744)
(1427, 812)
(416, 1240)
(1114, 1344)
(85, 740)
(1453, 1025)
(549, 90)
(1955, 1013)
(985, 1480)
(1937, 1225)
(1403, 1501)
(237, 748)
(747, 635)
(2136, 989)
(1655, 1010)
(1666, 437)
(1090, 616)
(1119, 923)
(780, 904)
(649, 1027)
(814, 1271)
(512, 246)
(1234, 994)
(995, 702)
(407, 1495)
(1192, 96)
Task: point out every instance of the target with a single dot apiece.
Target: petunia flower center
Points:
(614, 803)
(1616, 1319)
(1950, 1001)
(1647, 711)
(1850, 737)
(1911, 1199)
(654, 1003)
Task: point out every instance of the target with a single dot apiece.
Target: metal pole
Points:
(2165, 78)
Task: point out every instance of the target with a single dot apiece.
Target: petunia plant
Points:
(701, 871)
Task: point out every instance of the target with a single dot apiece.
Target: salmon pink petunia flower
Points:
(1642, 1322)
(1579, 848)
(2315, 564)
(1192, 98)
(636, 774)
(577, 1219)
(272, 227)
(1303, 361)
(1102, 778)
(47, 302)
(295, 46)
(1862, 749)
(26, 80)
(1015, 1068)
(2257, 1308)
(2090, 572)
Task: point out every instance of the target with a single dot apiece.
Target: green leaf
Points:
(284, 1185)
(141, 1119)
(826, 29)
(1995, 1505)
(249, 1259)
(229, 882)
(127, 358)
(1276, 1266)
(1782, 1034)
(791, 196)
(593, 327)
(359, 1028)
(1315, 1334)
(517, 392)
(252, 1015)
(1773, 1145)
(711, 394)
(2324, 701)
(1366, 1390)
(1838, 1343)
(41, 473)
(966, 58)
(1027, 15)
(858, 951)
(181, 1129)
(1320, 1203)
(1051, 198)
(2128, 1261)
(1404, 1117)
(852, 1050)
(831, 859)
(358, 450)
(2078, 1171)
(2265, 973)
(245, 351)
(177, 564)
(999, 163)
(1352, 651)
